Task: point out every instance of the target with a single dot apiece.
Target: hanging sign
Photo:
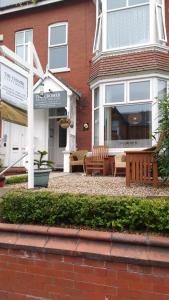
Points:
(14, 87)
(50, 100)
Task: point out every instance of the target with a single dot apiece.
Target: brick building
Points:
(111, 57)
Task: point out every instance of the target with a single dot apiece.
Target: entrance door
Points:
(57, 143)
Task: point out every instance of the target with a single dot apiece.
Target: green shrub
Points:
(96, 212)
(16, 179)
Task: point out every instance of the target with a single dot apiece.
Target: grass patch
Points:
(16, 179)
(95, 212)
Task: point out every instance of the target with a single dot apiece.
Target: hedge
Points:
(16, 179)
(96, 212)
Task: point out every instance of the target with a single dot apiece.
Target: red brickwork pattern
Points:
(128, 63)
(32, 275)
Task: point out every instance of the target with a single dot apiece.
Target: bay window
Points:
(129, 23)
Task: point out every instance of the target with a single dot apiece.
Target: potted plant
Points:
(64, 122)
(41, 174)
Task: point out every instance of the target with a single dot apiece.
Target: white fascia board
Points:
(27, 6)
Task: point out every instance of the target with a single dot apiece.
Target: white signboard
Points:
(14, 87)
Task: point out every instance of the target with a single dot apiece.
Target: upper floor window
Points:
(128, 23)
(58, 46)
(21, 42)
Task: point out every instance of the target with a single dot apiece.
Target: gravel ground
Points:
(79, 183)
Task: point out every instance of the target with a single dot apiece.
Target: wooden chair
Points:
(141, 166)
(119, 162)
(77, 158)
(98, 162)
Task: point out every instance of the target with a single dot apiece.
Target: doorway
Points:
(57, 143)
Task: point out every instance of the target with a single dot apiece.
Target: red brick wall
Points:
(27, 275)
(80, 15)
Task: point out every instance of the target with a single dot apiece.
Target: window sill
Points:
(60, 70)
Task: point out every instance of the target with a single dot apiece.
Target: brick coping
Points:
(144, 249)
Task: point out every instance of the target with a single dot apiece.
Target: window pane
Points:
(19, 38)
(62, 137)
(160, 23)
(162, 88)
(128, 27)
(115, 93)
(113, 4)
(58, 35)
(28, 36)
(96, 97)
(20, 51)
(139, 90)
(96, 127)
(58, 57)
(135, 2)
(128, 126)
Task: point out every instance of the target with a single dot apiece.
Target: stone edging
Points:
(111, 246)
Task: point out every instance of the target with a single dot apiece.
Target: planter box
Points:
(41, 177)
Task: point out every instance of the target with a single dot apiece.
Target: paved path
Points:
(4, 190)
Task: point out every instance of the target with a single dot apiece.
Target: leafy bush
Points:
(163, 154)
(16, 179)
(96, 212)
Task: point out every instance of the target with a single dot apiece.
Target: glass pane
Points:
(62, 137)
(29, 36)
(96, 127)
(58, 57)
(20, 51)
(135, 2)
(56, 112)
(96, 97)
(58, 35)
(26, 53)
(128, 126)
(113, 4)
(139, 90)
(161, 31)
(162, 88)
(19, 38)
(115, 93)
(128, 27)
(97, 40)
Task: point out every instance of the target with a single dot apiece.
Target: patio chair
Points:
(119, 162)
(77, 158)
(98, 162)
(141, 166)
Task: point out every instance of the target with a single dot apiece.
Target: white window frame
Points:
(62, 69)
(23, 44)
(153, 78)
(154, 22)
(127, 92)
(163, 20)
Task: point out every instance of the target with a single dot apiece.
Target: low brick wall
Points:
(64, 264)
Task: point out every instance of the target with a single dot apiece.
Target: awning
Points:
(12, 114)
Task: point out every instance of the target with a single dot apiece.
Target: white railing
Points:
(13, 164)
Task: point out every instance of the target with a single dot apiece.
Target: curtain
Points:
(128, 27)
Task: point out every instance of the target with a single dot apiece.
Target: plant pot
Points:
(41, 177)
(2, 181)
(64, 125)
